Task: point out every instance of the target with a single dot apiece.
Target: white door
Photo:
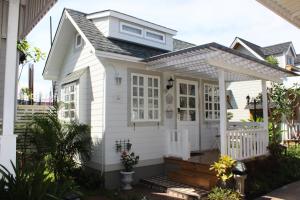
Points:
(187, 110)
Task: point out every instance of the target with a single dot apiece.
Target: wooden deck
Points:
(195, 171)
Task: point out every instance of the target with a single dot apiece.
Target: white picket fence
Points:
(178, 144)
(246, 143)
(290, 132)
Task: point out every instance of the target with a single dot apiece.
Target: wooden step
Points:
(175, 189)
(196, 179)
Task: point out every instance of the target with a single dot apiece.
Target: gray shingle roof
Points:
(268, 50)
(102, 43)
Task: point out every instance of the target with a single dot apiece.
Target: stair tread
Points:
(194, 174)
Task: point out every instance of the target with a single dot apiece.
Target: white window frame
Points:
(132, 26)
(292, 59)
(212, 102)
(77, 46)
(146, 98)
(63, 99)
(157, 33)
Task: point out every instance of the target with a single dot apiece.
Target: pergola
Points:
(287, 9)
(216, 62)
(23, 15)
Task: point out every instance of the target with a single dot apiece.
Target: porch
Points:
(213, 63)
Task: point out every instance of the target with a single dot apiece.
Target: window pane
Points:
(141, 103)
(210, 106)
(141, 114)
(183, 88)
(72, 114)
(132, 29)
(192, 90)
(155, 82)
(150, 82)
(150, 114)
(141, 81)
(141, 92)
(134, 91)
(156, 103)
(192, 103)
(134, 103)
(66, 114)
(72, 105)
(206, 97)
(155, 92)
(192, 115)
(135, 114)
(149, 92)
(150, 103)
(183, 102)
(155, 36)
(134, 81)
(67, 98)
(183, 115)
(72, 97)
(66, 106)
(206, 106)
(72, 88)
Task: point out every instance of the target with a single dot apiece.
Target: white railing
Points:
(244, 125)
(246, 143)
(290, 132)
(178, 144)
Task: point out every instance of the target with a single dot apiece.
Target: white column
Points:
(265, 107)
(8, 139)
(223, 112)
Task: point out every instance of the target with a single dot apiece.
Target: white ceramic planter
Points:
(127, 179)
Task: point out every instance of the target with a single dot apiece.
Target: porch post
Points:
(8, 139)
(265, 106)
(223, 112)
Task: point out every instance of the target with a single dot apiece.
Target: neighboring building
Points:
(131, 79)
(287, 59)
(17, 19)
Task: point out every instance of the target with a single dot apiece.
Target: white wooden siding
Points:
(2, 70)
(91, 93)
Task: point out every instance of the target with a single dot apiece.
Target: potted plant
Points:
(128, 160)
(223, 169)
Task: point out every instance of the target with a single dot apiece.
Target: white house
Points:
(17, 19)
(287, 59)
(130, 79)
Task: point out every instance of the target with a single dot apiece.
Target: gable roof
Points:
(267, 50)
(102, 43)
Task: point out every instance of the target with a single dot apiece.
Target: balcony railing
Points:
(246, 143)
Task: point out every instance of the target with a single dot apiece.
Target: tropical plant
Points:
(221, 194)
(129, 160)
(272, 60)
(29, 183)
(58, 142)
(29, 53)
(223, 168)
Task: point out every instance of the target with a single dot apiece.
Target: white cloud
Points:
(196, 21)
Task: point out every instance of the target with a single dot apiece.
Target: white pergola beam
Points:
(241, 70)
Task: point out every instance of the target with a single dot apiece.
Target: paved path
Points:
(287, 192)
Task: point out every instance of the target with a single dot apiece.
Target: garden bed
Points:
(265, 175)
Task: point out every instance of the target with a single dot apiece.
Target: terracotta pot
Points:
(127, 179)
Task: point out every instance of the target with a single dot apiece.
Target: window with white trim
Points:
(145, 98)
(290, 60)
(155, 36)
(69, 99)
(211, 102)
(78, 41)
(131, 29)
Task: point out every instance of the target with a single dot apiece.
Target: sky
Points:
(197, 21)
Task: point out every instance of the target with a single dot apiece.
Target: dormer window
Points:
(290, 60)
(78, 41)
(131, 29)
(155, 36)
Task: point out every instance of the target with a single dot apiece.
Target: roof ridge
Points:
(70, 9)
(184, 41)
(248, 42)
(290, 42)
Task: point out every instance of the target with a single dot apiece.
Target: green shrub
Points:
(221, 194)
(88, 178)
(32, 184)
(223, 168)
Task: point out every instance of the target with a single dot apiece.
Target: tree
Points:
(58, 142)
(272, 60)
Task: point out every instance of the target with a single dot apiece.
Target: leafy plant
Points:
(272, 60)
(29, 53)
(223, 168)
(129, 160)
(58, 142)
(221, 194)
(32, 184)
